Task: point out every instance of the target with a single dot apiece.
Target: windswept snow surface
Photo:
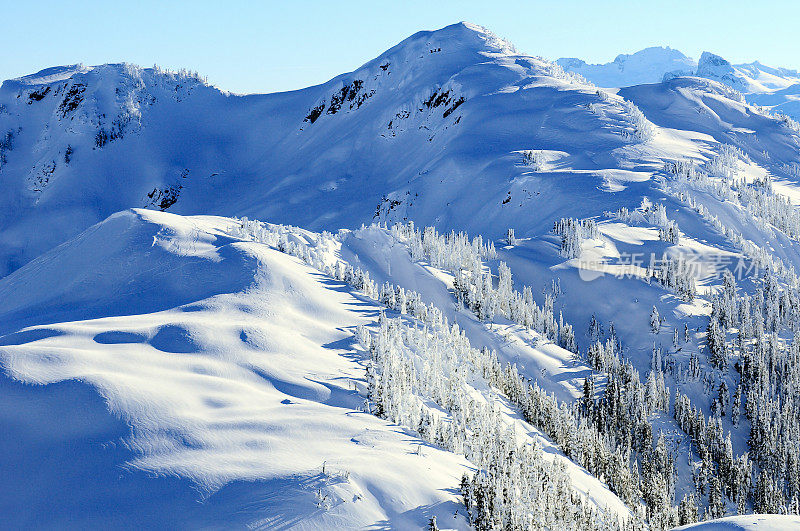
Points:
(239, 368)
(235, 367)
(759, 522)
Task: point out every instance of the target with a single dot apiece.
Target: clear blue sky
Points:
(269, 46)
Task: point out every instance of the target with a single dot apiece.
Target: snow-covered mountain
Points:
(238, 368)
(773, 88)
(80, 144)
(748, 78)
(645, 66)
(311, 377)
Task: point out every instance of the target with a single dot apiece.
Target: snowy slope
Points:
(241, 371)
(235, 366)
(784, 100)
(760, 522)
(749, 78)
(451, 128)
(430, 130)
(396, 138)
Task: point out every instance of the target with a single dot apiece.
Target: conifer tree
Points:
(655, 321)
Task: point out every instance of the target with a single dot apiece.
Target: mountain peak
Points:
(484, 37)
(712, 60)
(652, 53)
(645, 66)
(457, 40)
(713, 66)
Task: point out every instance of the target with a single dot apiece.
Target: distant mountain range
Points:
(776, 88)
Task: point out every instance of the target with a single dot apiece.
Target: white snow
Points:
(645, 66)
(234, 365)
(773, 88)
(234, 362)
(258, 383)
(760, 522)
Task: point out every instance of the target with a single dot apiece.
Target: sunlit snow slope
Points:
(754, 522)
(235, 365)
(237, 370)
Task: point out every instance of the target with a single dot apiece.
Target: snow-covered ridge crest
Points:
(713, 66)
(433, 69)
(464, 36)
(50, 75)
(112, 91)
(81, 73)
(446, 50)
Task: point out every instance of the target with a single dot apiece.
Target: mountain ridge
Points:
(150, 232)
(773, 88)
(97, 110)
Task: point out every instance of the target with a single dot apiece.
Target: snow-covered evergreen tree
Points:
(655, 321)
